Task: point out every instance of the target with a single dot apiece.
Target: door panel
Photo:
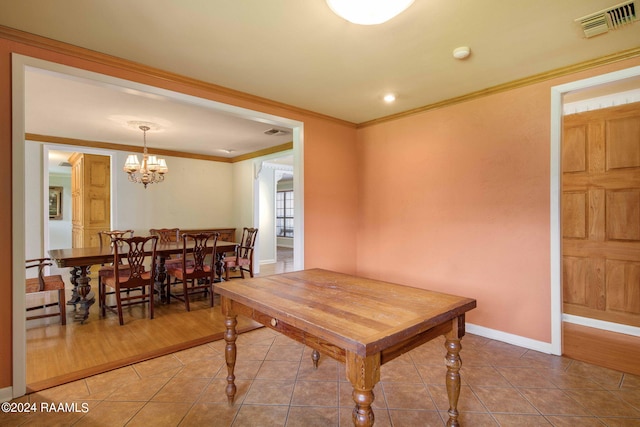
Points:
(574, 214)
(601, 214)
(623, 150)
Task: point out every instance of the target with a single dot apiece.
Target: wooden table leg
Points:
(159, 283)
(87, 297)
(364, 374)
(315, 357)
(75, 298)
(230, 337)
(453, 363)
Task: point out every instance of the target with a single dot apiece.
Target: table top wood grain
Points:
(360, 315)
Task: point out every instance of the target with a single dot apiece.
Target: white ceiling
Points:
(81, 108)
(293, 52)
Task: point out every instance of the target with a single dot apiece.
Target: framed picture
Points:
(55, 202)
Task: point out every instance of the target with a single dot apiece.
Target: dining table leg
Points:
(87, 297)
(453, 364)
(364, 373)
(161, 277)
(75, 297)
(230, 337)
(315, 358)
(220, 265)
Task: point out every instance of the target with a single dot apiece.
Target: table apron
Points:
(335, 351)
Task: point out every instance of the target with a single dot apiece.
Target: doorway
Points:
(276, 239)
(20, 64)
(564, 203)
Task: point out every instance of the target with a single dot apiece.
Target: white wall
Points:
(34, 200)
(195, 194)
(246, 203)
(267, 226)
(60, 229)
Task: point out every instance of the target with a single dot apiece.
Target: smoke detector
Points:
(609, 19)
(275, 132)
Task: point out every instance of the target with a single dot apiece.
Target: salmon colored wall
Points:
(330, 191)
(329, 163)
(457, 200)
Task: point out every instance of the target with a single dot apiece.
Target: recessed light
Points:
(461, 52)
(389, 97)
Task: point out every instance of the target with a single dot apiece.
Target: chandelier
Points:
(151, 170)
(368, 12)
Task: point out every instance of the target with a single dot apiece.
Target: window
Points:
(284, 213)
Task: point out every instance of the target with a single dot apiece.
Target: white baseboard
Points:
(6, 394)
(601, 324)
(493, 334)
(267, 261)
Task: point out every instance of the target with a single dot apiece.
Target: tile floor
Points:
(502, 385)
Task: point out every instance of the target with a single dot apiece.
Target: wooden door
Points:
(601, 214)
(90, 197)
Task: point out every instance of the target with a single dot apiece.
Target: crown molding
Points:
(102, 58)
(157, 151)
(41, 42)
(265, 152)
(536, 78)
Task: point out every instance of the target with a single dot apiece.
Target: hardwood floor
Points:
(59, 354)
(609, 349)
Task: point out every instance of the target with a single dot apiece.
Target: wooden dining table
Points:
(360, 322)
(80, 261)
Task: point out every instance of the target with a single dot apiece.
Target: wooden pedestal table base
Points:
(81, 293)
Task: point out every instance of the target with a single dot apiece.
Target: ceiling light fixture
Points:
(461, 52)
(368, 12)
(152, 169)
(389, 97)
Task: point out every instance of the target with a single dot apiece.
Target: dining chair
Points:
(105, 238)
(242, 259)
(168, 235)
(130, 271)
(43, 283)
(197, 271)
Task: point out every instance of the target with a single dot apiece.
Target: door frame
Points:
(557, 93)
(19, 63)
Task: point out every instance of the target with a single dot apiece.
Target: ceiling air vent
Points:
(609, 19)
(275, 132)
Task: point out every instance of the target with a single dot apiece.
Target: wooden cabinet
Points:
(90, 198)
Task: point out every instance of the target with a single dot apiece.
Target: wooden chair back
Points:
(40, 263)
(106, 237)
(46, 283)
(202, 255)
(132, 254)
(130, 272)
(247, 243)
(166, 235)
(243, 257)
